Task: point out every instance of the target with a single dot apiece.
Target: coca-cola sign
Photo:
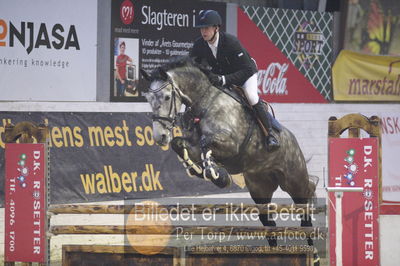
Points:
(273, 80)
(279, 80)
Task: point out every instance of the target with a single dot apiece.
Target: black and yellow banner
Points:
(108, 156)
(362, 77)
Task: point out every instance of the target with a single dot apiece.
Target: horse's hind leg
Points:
(261, 190)
(303, 193)
(306, 221)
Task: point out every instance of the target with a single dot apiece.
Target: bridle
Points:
(173, 110)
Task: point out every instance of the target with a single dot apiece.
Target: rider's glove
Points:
(216, 80)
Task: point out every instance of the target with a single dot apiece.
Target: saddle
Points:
(237, 94)
(189, 121)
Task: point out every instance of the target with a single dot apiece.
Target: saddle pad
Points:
(240, 99)
(275, 124)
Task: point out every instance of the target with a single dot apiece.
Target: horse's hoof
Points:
(224, 180)
(210, 174)
(177, 145)
(272, 241)
(316, 258)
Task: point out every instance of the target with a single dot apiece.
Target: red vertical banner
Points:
(354, 162)
(25, 203)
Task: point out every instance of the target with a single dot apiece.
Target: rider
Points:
(230, 64)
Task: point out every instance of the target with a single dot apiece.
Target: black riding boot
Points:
(261, 111)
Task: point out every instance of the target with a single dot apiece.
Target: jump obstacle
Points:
(27, 132)
(336, 127)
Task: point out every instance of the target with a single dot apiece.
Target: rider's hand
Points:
(216, 80)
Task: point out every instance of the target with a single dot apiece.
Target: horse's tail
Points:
(313, 179)
(312, 186)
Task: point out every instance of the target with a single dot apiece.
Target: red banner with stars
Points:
(25, 203)
(354, 163)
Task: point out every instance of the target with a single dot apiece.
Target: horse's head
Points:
(165, 98)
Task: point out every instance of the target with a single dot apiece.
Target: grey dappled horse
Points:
(221, 137)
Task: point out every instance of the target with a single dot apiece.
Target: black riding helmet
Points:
(208, 18)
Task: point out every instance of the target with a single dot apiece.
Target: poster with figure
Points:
(126, 69)
(146, 34)
(373, 26)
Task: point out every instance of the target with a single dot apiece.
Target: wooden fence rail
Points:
(190, 208)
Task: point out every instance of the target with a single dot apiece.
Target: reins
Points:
(173, 110)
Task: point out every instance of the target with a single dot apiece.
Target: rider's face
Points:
(208, 32)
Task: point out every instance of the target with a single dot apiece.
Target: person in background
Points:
(230, 64)
(121, 62)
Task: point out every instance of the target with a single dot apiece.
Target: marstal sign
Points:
(383, 86)
(362, 77)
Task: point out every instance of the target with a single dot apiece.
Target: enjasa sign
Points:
(25, 203)
(354, 162)
(52, 45)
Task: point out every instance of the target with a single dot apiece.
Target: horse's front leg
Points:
(218, 175)
(186, 155)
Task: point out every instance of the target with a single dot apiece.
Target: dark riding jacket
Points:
(233, 61)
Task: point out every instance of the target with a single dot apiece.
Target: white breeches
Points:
(250, 89)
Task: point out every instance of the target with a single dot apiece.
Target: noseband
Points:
(173, 110)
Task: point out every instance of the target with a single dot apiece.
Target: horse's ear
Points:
(145, 94)
(145, 75)
(163, 74)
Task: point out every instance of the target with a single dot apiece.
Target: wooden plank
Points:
(354, 132)
(213, 255)
(248, 255)
(337, 126)
(113, 249)
(114, 255)
(187, 208)
(26, 132)
(174, 230)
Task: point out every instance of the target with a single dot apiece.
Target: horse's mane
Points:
(182, 61)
